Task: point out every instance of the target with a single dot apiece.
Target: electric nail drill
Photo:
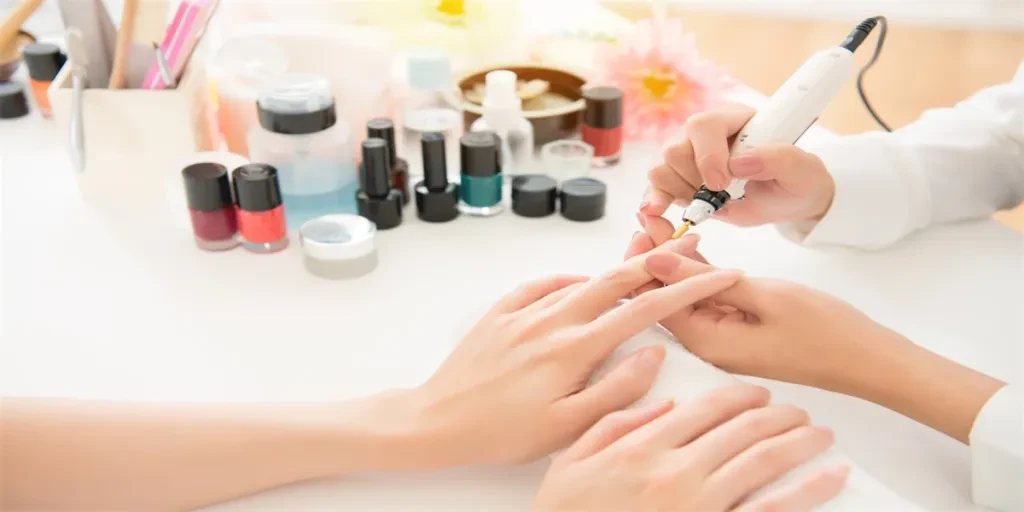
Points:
(785, 118)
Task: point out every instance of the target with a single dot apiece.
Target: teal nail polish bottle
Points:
(480, 188)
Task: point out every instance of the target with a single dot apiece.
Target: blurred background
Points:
(937, 51)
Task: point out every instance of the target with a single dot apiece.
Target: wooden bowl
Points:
(548, 124)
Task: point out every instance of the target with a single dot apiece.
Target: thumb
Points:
(780, 162)
(671, 268)
(628, 382)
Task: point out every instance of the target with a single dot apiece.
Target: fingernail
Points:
(644, 206)
(635, 234)
(662, 265)
(652, 357)
(685, 244)
(641, 219)
(746, 166)
(839, 472)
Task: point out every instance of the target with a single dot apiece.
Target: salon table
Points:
(106, 297)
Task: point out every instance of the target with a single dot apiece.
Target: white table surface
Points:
(118, 304)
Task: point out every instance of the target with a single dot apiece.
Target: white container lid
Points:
(338, 237)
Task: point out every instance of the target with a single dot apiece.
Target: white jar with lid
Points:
(339, 246)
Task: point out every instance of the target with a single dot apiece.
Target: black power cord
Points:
(856, 37)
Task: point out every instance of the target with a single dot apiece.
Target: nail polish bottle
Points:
(383, 128)
(480, 185)
(377, 200)
(602, 124)
(534, 195)
(13, 103)
(261, 219)
(210, 206)
(44, 61)
(582, 199)
(437, 200)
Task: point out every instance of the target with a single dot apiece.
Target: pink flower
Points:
(663, 79)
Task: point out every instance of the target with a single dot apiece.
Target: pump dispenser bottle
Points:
(299, 134)
(503, 115)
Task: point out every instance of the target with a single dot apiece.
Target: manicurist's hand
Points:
(707, 455)
(786, 183)
(513, 389)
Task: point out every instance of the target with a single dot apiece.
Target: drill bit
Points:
(683, 228)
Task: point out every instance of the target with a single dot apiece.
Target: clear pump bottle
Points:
(426, 111)
(300, 135)
(503, 115)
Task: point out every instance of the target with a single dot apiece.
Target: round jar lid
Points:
(583, 199)
(338, 237)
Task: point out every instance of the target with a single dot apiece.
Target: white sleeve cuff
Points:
(997, 452)
(877, 199)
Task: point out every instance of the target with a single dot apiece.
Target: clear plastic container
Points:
(425, 109)
(503, 115)
(300, 134)
(238, 71)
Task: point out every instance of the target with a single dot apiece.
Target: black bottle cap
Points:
(44, 61)
(583, 199)
(374, 168)
(479, 154)
(296, 123)
(533, 195)
(604, 107)
(434, 205)
(256, 187)
(13, 103)
(435, 165)
(384, 128)
(385, 212)
(207, 187)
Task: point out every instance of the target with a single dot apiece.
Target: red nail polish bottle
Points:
(261, 219)
(210, 206)
(602, 124)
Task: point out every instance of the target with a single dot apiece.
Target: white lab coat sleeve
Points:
(997, 452)
(952, 164)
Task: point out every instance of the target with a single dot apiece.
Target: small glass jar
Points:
(339, 246)
(567, 159)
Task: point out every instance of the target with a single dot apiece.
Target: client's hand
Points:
(513, 390)
(704, 456)
(766, 327)
(786, 183)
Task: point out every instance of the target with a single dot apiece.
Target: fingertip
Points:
(653, 356)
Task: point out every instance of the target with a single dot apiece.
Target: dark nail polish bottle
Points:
(211, 206)
(376, 199)
(384, 128)
(436, 199)
(481, 180)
